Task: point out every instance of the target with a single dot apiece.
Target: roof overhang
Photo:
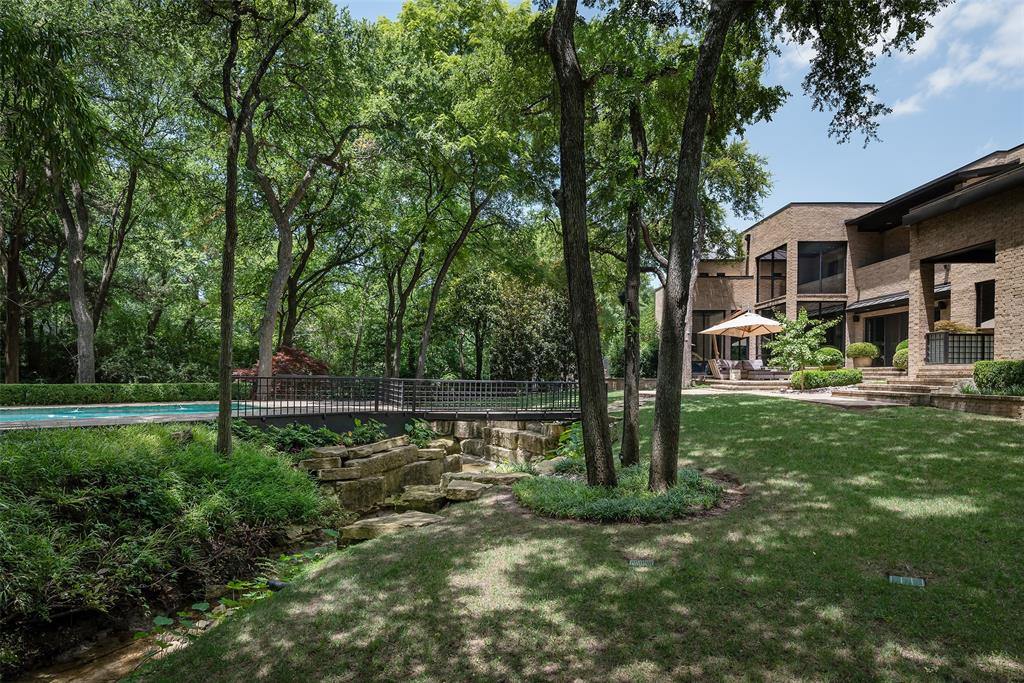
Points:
(966, 196)
(894, 300)
(891, 214)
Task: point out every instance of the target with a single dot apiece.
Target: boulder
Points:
(453, 463)
(388, 460)
(493, 478)
(422, 472)
(447, 443)
(431, 454)
(319, 463)
(426, 498)
(466, 429)
(338, 474)
(549, 466)
(339, 452)
(374, 527)
(361, 494)
(378, 447)
(462, 490)
(473, 447)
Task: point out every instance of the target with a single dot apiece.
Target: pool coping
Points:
(111, 421)
(67, 406)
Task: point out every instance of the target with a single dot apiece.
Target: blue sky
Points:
(959, 96)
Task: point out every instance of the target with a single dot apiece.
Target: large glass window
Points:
(985, 294)
(821, 268)
(829, 310)
(771, 313)
(771, 274)
(703, 348)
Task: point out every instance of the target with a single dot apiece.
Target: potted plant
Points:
(862, 353)
(830, 358)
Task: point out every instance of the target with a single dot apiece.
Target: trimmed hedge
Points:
(819, 379)
(830, 356)
(69, 394)
(905, 344)
(901, 359)
(992, 376)
(862, 350)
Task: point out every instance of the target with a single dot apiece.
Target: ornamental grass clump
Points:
(629, 501)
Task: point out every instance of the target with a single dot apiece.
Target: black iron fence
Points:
(959, 348)
(287, 395)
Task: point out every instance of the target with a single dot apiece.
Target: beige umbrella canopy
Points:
(745, 324)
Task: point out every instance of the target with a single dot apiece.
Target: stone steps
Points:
(741, 384)
(886, 395)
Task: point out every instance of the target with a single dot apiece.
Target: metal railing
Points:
(287, 395)
(957, 348)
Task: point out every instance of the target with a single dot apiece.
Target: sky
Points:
(958, 96)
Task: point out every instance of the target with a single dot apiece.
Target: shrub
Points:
(420, 432)
(901, 359)
(903, 345)
(630, 501)
(96, 518)
(819, 379)
(370, 431)
(829, 356)
(68, 394)
(291, 438)
(953, 326)
(995, 376)
(862, 350)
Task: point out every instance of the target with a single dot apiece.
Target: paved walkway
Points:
(821, 397)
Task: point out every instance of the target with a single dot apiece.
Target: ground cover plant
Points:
(788, 585)
(71, 394)
(109, 519)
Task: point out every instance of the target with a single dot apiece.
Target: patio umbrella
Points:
(746, 324)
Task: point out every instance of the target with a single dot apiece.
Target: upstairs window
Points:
(821, 268)
(771, 274)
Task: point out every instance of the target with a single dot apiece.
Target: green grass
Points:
(629, 501)
(789, 585)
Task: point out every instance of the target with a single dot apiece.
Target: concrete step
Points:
(910, 387)
(935, 383)
(966, 370)
(883, 372)
(746, 384)
(889, 396)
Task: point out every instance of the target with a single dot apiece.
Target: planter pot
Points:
(862, 362)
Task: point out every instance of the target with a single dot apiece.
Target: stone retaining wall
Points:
(362, 477)
(503, 441)
(999, 406)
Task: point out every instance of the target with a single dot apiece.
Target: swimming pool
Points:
(73, 413)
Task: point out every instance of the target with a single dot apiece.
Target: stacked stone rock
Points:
(362, 477)
(504, 441)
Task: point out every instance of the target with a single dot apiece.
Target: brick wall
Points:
(998, 219)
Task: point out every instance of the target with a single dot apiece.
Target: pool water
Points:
(99, 412)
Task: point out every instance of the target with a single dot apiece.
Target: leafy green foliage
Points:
(797, 345)
(901, 358)
(72, 394)
(819, 379)
(420, 432)
(993, 376)
(92, 517)
(954, 326)
(829, 356)
(370, 431)
(905, 344)
(629, 501)
(862, 350)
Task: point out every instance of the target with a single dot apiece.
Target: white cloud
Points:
(983, 46)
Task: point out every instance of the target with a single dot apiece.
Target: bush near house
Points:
(954, 326)
(110, 519)
(819, 379)
(830, 357)
(999, 376)
(903, 345)
(901, 359)
(71, 394)
(862, 350)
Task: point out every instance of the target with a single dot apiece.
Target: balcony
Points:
(957, 348)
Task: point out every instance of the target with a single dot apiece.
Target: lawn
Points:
(789, 585)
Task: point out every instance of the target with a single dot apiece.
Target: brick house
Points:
(950, 249)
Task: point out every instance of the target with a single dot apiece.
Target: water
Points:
(108, 412)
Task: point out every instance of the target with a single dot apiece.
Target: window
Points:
(771, 274)
(985, 300)
(821, 268)
(828, 310)
(771, 313)
(703, 346)
(738, 348)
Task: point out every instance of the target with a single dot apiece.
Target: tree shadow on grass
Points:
(789, 586)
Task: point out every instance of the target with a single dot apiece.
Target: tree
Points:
(239, 89)
(572, 208)
(796, 346)
(844, 36)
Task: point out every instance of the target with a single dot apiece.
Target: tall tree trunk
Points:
(478, 349)
(120, 224)
(264, 365)
(435, 290)
(12, 270)
(630, 453)
(359, 341)
(291, 317)
(225, 361)
(76, 230)
(683, 242)
(687, 379)
(572, 207)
